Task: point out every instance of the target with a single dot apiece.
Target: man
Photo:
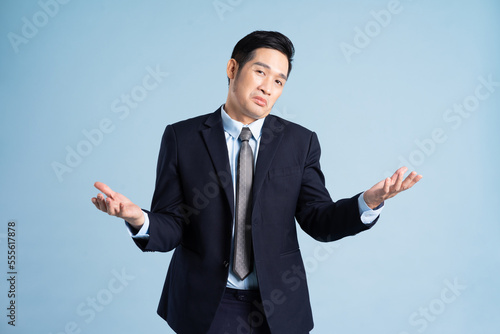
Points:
(230, 185)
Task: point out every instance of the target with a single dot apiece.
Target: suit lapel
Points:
(272, 134)
(213, 135)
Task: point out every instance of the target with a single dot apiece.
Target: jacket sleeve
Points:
(316, 213)
(166, 215)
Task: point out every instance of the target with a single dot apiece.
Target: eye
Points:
(260, 72)
(279, 82)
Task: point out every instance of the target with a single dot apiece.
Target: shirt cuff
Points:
(143, 233)
(368, 215)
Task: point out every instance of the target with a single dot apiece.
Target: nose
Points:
(265, 86)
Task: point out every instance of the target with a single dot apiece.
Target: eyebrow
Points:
(269, 67)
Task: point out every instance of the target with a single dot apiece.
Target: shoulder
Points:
(193, 123)
(188, 127)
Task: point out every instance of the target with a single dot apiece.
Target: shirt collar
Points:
(234, 127)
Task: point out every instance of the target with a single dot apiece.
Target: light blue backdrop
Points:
(383, 83)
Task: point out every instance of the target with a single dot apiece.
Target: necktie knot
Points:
(245, 134)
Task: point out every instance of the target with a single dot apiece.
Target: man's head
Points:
(244, 50)
(257, 72)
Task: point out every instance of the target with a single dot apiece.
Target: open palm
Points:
(115, 204)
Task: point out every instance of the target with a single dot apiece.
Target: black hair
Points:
(244, 50)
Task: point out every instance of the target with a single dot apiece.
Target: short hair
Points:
(244, 50)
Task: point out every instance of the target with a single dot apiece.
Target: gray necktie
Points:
(242, 265)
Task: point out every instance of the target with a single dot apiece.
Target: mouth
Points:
(260, 101)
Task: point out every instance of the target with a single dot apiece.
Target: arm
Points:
(316, 213)
(165, 219)
(326, 220)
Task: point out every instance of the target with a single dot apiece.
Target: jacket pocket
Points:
(284, 171)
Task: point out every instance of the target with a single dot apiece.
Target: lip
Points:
(260, 101)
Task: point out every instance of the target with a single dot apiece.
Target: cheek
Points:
(241, 88)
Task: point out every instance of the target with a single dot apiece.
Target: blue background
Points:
(372, 109)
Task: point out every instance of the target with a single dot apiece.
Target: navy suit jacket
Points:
(193, 208)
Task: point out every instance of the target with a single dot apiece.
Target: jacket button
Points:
(226, 264)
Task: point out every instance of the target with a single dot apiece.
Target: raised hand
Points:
(115, 204)
(390, 187)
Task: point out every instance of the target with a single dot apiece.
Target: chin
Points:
(260, 113)
(257, 115)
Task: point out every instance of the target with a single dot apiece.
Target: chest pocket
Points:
(284, 171)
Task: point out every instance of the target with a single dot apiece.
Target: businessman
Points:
(230, 187)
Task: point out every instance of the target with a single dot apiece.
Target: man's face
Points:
(254, 89)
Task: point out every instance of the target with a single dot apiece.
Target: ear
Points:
(232, 68)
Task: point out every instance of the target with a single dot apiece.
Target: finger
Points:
(111, 207)
(396, 174)
(114, 207)
(94, 201)
(387, 185)
(412, 179)
(105, 189)
(402, 170)
(399, 181)
(394, 177)
(408, 182)
(101, 202)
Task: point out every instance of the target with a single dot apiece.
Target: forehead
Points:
(276, 60)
